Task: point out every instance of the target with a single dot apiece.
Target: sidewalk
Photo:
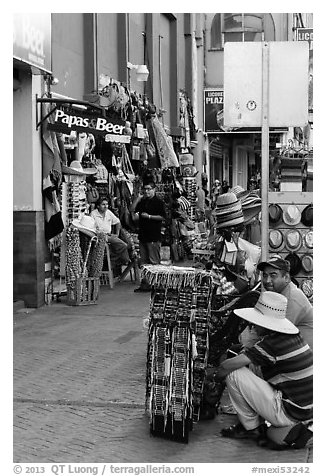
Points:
(79, 390)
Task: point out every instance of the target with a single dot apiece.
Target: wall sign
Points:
(112, 128)
(32, 39)
(305, 34)
(213, 109)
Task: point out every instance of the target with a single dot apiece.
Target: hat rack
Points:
(301, 200)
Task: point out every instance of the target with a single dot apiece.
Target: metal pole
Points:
(265, 152)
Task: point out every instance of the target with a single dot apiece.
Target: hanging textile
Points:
(51, 160)
(164, 145)
(53, 218)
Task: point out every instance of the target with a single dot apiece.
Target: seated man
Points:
(276, 277)
(104, 220)
(282, 394)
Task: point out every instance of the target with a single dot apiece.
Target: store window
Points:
(241, 27)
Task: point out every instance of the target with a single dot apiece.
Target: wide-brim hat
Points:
(307, 263)
(307, 215)
(239, 191)
(228, 211)
(250, 213)
(293, 240)
(269, 312)
(276, 239)
(76, 168)
(307, 287)
(291, 215)
(251, 206)
(275, 213)
(308, 239)
(295, 263)
(86, 224)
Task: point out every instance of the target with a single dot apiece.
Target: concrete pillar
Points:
(28, 219)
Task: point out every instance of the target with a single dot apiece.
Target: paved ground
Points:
(79, 388)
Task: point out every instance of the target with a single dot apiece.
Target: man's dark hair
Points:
(100, 200)
(151, 183)
(176, 194)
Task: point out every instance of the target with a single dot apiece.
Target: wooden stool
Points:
(107, 276)
(132, 267)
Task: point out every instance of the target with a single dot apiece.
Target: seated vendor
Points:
(281, 393)
(105, 220)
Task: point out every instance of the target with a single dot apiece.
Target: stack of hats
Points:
(291, 174)
(291, 215)
(250, 203)
(228, 211)
(239, 192)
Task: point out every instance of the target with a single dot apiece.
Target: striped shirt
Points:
(286, 363)
(184, 204)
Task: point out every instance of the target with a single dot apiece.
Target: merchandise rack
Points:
(301, 200)
(177, 350)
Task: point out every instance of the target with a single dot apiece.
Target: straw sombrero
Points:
(269, 312)
(76, 168)
(86, 224)
(228, 211)
(239, 192)
(251, 206)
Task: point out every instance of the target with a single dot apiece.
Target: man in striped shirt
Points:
(183, 203)
(282, 394)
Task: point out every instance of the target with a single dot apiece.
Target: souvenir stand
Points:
(82, 252)
(177, 348)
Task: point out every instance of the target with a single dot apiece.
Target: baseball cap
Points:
(276, 262)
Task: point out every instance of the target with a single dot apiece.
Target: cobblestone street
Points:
(79, 391)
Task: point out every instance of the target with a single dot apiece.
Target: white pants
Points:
(255, 400)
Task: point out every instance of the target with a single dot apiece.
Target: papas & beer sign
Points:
(66, 122)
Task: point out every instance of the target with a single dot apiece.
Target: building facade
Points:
(73, 56)
(234, 155)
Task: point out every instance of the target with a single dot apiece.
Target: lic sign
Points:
(305, 34)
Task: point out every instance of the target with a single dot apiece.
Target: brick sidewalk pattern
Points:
(79, 391)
